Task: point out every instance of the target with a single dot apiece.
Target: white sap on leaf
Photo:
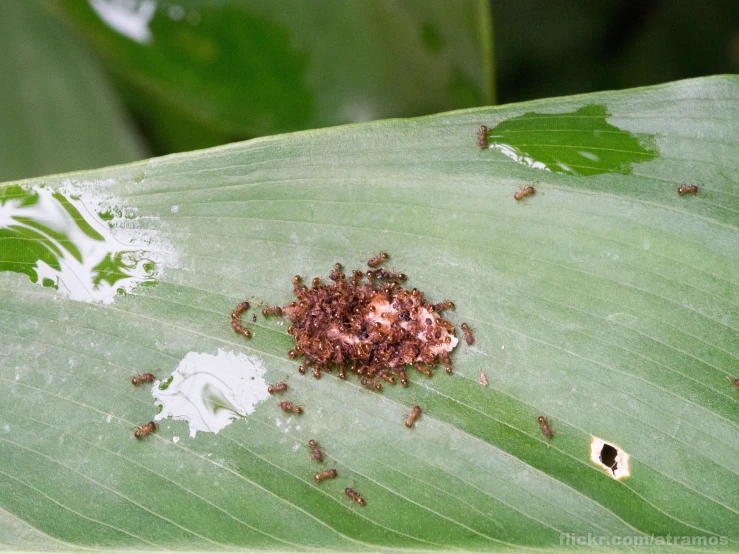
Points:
(83, 242)
(209, 391)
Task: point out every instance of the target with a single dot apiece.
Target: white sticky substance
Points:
(97, 259)
(210, 391)
(383, 307)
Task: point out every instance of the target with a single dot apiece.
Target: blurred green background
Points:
(91, 83)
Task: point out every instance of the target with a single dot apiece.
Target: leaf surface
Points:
(605, 302)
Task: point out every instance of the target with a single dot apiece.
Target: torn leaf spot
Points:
(610, 457)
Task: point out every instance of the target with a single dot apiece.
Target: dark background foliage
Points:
(553, 48)
(79, 94)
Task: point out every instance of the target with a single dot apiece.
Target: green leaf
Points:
(203, 73)
(59, 112)
(606, 303)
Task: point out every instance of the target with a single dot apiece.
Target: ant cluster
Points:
(373, 328)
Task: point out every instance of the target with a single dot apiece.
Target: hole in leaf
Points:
(610, 457)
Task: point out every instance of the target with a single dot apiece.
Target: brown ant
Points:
(386, 275)
(528, 191)
(374, 262)
(426, 371)
(274, 310)
(403, 377)
(279, 387)
(482, 140)
(688, 189)
(446, 305)
(328, 474)
(297, 279)
(415, 413)
(380, 273)
(236, 319)
(447, 363)
(239, 309)
(545, 429)
(145, 378)
(145, 430)
(315, 451)
(288, 407)
(351, 493)
(369, 383)
(386, 376)
(468, 336)
(236, 326)
(336, 275)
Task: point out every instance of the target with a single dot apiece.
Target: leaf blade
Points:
(605, 303)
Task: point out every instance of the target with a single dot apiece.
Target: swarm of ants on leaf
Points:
(368, 325)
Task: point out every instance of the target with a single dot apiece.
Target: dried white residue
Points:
(209, 391)
(83, 242)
